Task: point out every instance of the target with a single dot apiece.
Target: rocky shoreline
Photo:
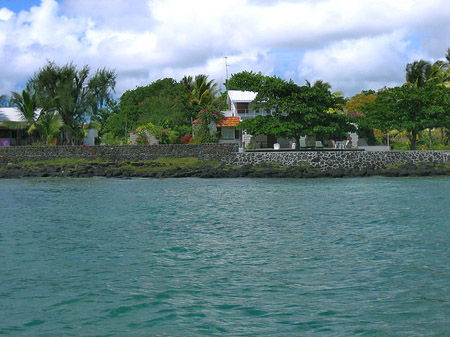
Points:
(157, 170)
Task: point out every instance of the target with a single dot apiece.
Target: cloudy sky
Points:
(352, 44)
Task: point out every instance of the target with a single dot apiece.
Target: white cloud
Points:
(355, 65)
(353, 45)
(5, 14)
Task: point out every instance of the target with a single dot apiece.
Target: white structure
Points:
(134, 135)
(89, 139)
(241, 106)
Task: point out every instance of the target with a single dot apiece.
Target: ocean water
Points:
(225, 257)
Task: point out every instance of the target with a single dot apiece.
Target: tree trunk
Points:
(429, 136)
(413, 139)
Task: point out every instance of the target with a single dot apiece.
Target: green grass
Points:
(166, 164)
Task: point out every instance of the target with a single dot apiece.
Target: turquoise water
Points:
(237, 257)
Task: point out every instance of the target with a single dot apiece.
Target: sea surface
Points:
(225, 257)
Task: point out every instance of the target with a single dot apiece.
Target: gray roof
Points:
(10, 114)
(241, 96)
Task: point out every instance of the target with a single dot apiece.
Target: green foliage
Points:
(110, 139)
(162, 102)
(3, 100)
(246, 80)
(203, 132)
(26, 103)
(73, 94)
(303, 109)
(101, 120)
(48, 126)
(201, 93)
(410, 108)
(267, 125)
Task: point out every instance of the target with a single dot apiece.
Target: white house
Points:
(241, 106)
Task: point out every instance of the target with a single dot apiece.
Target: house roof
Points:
(10, 114)
(229, 121)
(241, 96)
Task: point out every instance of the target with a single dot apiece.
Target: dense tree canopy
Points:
(297, 110)
(246, 80)
(410, 108)
(72, 94)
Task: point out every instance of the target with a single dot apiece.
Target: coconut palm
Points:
(200, 91)
(49, 125)
(418, 73)
(26, 103)
(319, 84)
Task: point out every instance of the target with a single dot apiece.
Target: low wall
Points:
(17, 154)
(227, 154)
(333, 160)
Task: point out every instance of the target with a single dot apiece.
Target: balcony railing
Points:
(246, 113)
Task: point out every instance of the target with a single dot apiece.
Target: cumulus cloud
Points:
(354, 45)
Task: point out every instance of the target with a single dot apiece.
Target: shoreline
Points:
(153, 169)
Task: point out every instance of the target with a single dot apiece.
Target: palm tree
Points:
(319, 84)
(418, 73)
(200, 91)
(27, 105)
(49, 125)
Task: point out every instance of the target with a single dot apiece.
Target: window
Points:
(227, 133)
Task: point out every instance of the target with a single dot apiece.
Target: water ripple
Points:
(105, 257)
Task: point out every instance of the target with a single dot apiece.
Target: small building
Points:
(12, 136)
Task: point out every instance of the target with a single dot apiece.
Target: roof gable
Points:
(10, 114)
(229, 121)
(239, 96)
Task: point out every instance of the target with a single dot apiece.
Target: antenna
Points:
(226, 66)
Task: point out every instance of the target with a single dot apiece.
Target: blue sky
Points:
(354, 45)
(18, 5)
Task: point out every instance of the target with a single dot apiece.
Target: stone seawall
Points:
(226, 154)
(18, 154)
(334, 160)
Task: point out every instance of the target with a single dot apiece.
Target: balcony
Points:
(245, 113)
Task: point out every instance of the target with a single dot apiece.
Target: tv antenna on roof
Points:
(226, 67)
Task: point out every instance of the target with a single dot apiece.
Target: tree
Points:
(161, 103)
(410, 108)
(73, 94)
(3, 100)
(421, 73)
(246, 81)
(297, 110)
(418, 73)
(26, 103)
(200, 91)
(48, 126)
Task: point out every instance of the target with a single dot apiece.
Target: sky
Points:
(354, 45)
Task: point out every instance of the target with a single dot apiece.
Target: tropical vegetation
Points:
(59, 104)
